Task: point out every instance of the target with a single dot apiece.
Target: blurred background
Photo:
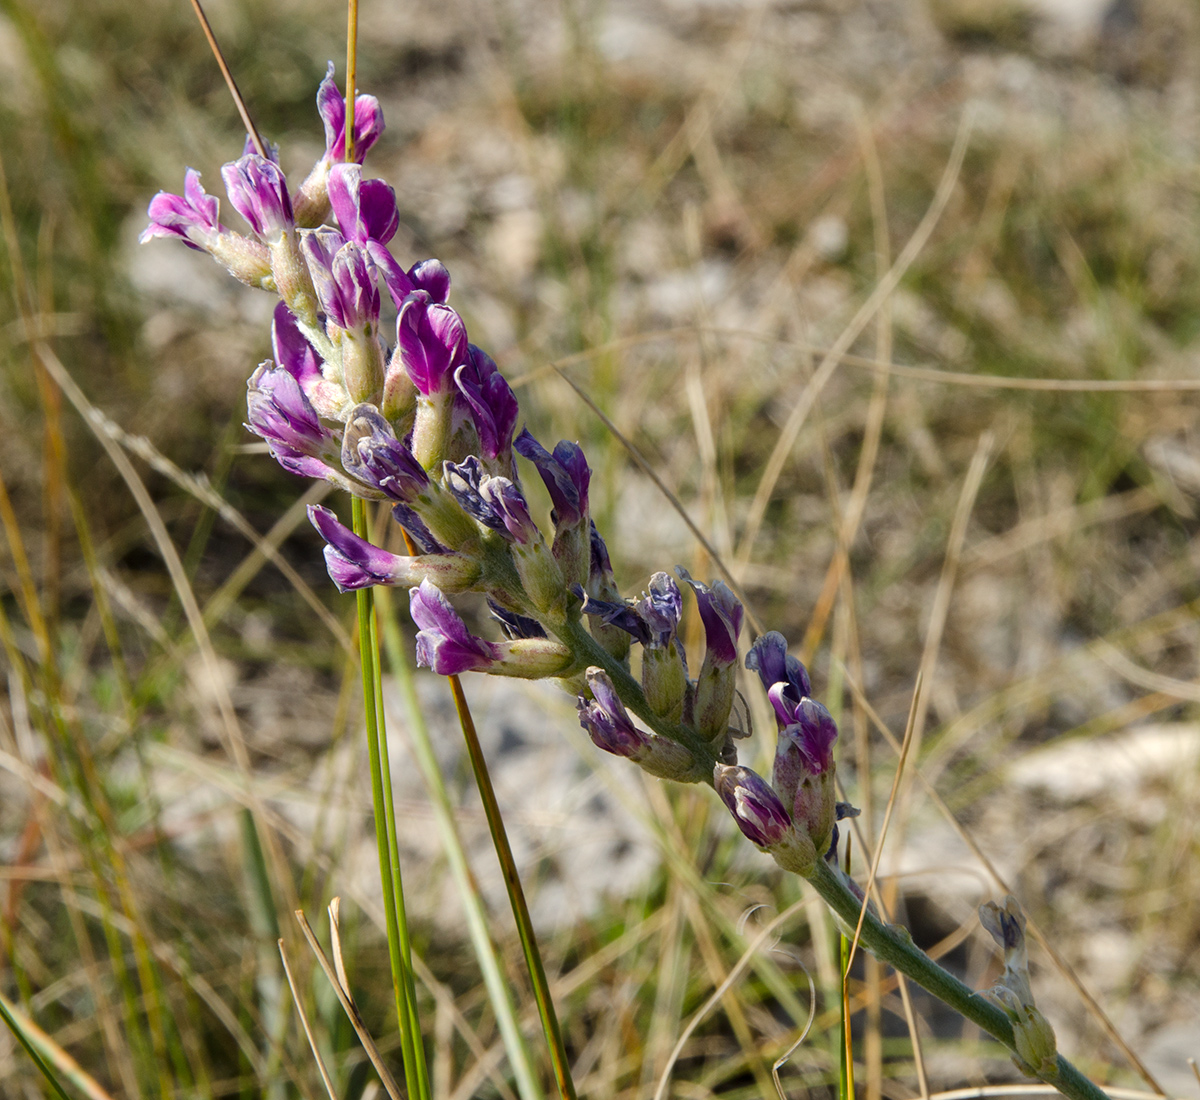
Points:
(685, 204)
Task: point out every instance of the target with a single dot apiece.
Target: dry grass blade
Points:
(714, 999)
(335, 936)
(235, 741)
(265, 547)
(312, 1040)
(364, 1036)
(795, 421)
(652, 474)
(240, 103)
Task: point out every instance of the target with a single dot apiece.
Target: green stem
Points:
(516, 896)
(894, 945)
(410, 1041)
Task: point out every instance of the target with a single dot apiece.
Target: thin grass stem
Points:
(516, 895)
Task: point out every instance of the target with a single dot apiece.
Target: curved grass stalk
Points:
(516, 896)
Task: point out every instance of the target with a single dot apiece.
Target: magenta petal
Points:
(292, 350)
(432, 277)
(433, 342)
(444, 643)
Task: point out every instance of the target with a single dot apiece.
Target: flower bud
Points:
(721, 613)
(567, 476)
(664, 672)
(1033, 1037)
(611, 729)
(763, 818)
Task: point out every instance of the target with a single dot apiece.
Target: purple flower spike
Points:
(353, 562)
(566, 474)
(508, 502)
(191, 218)
(444, 643)
(368, 120)
(721, 613)
(607, 722)
(755, 807)
(770, 659)
(259, 193)
(492, 402)
(432, 341)
(281, 414)
(372, 454)
(432, 277)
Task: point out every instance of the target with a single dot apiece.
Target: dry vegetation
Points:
(685, 202)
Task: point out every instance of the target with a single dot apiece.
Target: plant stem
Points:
(410, 1039)
(516, 896)
(894, 945)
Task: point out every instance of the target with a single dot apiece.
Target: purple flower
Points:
(565, 473)
(344, 279)
(281, 414)
(297, 356)
(661, 607)
(807, 734)
(464, 482)
(600, 575)
(365, 209)
(607, 722)
(355, 563)
(444, 643)
(514, 625)
(492, 403)
(616, 613)
(259, 193)
(368, 120)
(721, 613)
(417, 530)
(372, 454)
(192, 218)
(770, 659)
(755, 807)
(508, 502)
(431, 341)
